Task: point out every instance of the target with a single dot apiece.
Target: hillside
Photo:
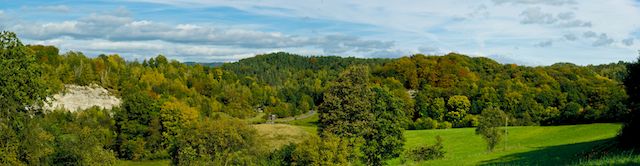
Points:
(287, 84)
(530, 145)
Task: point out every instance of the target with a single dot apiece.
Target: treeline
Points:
(441, 91)
(454, 88)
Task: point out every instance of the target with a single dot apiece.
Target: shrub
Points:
(445, 125)
(219, 141)
(330, 150)
(425, 123)
(490, 121)
(425, 152)
(470, 121)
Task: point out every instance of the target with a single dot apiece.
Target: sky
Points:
(526, 32)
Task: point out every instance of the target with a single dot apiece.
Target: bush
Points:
(445, 125)
(330, 150)
(425, 152)
(209, 141)
(470, 121)
(490, 121)
(425, 123)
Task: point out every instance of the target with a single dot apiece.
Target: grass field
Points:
(623, 158)
(527, 145)
(530, 145)
(274, 136)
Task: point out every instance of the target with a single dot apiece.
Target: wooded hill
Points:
(451, 88)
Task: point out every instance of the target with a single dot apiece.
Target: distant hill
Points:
(209, 64)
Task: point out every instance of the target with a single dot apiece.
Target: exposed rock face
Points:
(76, 98)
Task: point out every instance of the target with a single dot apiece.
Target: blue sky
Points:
(528, 32)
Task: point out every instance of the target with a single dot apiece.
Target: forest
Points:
(195, 114)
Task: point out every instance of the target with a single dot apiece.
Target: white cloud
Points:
(627, 41)
(54, 8)
(576, 23)
(589, 34)
(124, 28)
(506, 59)
(570, 37)
(133, 50)
(536, 16)
(430, 50)
(566, 15)
(600, 40)
(388, 54)
(535, 2)
(491, 27)
(544, 43)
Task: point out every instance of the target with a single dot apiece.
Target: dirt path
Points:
(303, 116)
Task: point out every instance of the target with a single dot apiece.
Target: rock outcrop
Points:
(76, 98)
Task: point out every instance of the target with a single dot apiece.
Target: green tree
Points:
(138, 112)
(430, 107)
(629, 133)
(21, 84)
(22, 91)
(346, 107)
(489, 126)
(218, 141)
(370, 118)
(458, 107)
(385, 139)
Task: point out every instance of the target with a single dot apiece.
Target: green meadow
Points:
(524, 145)
(527, 145)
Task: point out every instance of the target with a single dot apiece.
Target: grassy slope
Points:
(531, 145)
(625, 158)
(274, 136)
(527, 145)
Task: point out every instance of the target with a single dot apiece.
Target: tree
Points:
(81, 137)
(458, 107)
(345, 110)
(22, 91)
(385, 140)
(430, 107)
(219, 141)
(21, 84)
(629, 134)
(490, 121)
(133, 122)
(370, 118)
